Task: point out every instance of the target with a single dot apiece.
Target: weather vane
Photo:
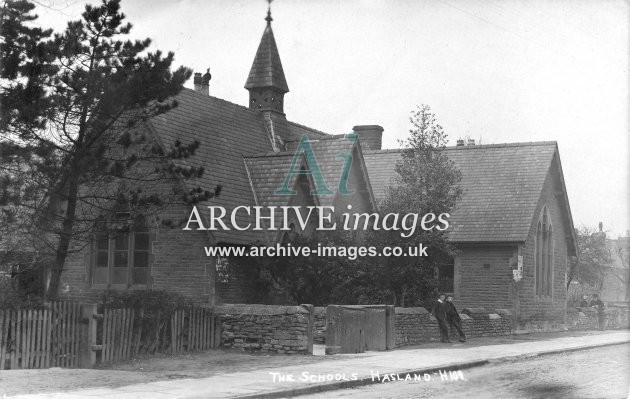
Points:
(269, 19)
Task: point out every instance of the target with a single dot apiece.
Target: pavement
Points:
(345, 370)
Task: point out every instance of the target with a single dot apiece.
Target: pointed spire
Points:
(266, 82)
(266, 71)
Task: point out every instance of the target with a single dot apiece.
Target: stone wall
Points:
(537, 313)
(266, 328)
(483, 275)
(587, 318)
(416, 325)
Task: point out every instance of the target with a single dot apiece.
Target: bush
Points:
(12, 298)
(151, 301)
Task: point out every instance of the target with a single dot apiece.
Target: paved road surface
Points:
(594, 373)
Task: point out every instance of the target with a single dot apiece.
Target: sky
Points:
(496, 71)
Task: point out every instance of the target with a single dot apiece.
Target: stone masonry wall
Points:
(545, 313)
(416, 325)
(587, 318)
(483, 275)
(266, 328)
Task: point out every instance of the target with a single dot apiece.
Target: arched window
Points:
(544, 255)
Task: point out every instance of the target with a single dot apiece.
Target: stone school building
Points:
(514, 214)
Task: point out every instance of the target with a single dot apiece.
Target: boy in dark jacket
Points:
(601, 308)
(453, 318)
(439, 312)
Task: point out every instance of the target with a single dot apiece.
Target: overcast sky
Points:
(497, 71)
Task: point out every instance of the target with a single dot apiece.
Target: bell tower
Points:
(266, 82)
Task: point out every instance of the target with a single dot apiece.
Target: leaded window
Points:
(544, 255)
(121, 251)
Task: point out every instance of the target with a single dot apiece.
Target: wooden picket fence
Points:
(190, 329)
(118, 338)
(40, 338)
(194, 329)
(69, 334)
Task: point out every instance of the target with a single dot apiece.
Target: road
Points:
(594, 373)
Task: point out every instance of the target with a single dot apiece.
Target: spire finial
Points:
(268, 18)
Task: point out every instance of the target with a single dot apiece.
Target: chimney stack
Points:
(202, 83)
(370, 136)
(471, 142)
(460, 142)
(197, 81)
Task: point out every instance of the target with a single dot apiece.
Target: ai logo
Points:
(314, 170)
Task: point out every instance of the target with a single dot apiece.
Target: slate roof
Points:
(267, 69)
(229, 133)
(225, 131)
(326, 152)
(502, 184)
(268, 171)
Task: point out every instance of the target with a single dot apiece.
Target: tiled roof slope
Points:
(502, 184)
(226, 133)
(267, 173)
(299, 130)
(267, 69)
(326, 152)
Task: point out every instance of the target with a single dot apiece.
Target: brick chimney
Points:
(202, 83)
(197, 80)
(370, 136)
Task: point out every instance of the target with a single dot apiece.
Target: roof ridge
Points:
(308, 127)
(269, 154)
(332, 137)
(502, 145)
(472, 147)
(206, 96)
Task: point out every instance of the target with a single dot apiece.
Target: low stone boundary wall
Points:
(293, 329)
(413, 326)
(487, 323)
(416, 325)
(587, 318)
(266, 328)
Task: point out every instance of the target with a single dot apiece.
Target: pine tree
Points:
(27, 65)
(93, 153)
